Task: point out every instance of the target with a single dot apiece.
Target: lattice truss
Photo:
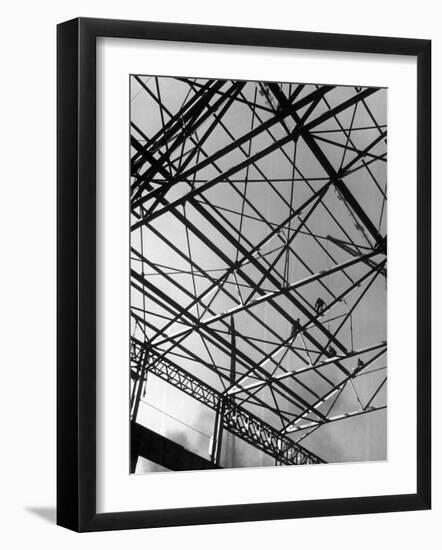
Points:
(258, 264)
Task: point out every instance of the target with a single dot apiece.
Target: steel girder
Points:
(191, 196)
(236, 420)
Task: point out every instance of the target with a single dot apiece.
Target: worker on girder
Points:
(296, 327)
(319, 305)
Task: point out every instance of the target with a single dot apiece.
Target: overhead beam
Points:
(328, 167)
(236, 419)
(163, 451)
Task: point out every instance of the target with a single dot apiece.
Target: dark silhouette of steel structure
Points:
(258, 252)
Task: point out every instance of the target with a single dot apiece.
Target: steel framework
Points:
(258, 256)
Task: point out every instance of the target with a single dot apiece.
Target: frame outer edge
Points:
(76, 275)
(67, 268)
(87, 287)
(424, 275)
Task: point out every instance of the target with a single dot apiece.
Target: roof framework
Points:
(258, 255)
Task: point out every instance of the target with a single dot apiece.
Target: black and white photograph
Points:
(221, 275)
(258, 273)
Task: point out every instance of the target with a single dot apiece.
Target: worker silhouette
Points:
(319, 305)
(296, 327)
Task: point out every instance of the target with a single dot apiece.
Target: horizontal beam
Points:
(294, 373)
(267, 296)
(163, 451)
(237, 420)
(336, 418)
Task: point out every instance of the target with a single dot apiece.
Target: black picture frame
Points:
(77, 287)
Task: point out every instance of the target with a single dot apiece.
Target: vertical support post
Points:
(219, 417)
(218, 433)
(232, 437)
(133, 461)
(233, 348)
(138, 387)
